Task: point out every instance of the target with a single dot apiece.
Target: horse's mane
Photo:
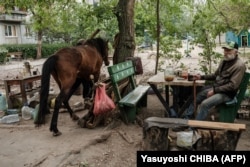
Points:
(99, 43)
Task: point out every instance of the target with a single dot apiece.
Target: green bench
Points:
(137, 96)
(228, 111)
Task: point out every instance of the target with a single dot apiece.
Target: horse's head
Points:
(102, 47)
(106, 53)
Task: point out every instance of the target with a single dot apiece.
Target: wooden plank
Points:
(133, 97)
(162, 120)
(217, 125)
(159, 79)
(198, 124)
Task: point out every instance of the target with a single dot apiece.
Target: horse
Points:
(70, 67)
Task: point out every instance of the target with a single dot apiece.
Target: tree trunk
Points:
(158, 35)
(124, 40)
(39, 45)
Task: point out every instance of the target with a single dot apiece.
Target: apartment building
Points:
(14, 28)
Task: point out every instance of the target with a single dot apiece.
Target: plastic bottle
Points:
(3, 103)
(10, 119)
(27, 112)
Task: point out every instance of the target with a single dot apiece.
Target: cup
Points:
(184, 74)
(169, 74)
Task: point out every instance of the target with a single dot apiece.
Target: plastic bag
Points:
(103, 103)
(185, 139)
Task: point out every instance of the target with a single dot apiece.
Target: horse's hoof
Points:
(75, 117)
(82, 123)
(57, 133)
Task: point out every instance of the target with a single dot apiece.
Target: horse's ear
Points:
(80, 42)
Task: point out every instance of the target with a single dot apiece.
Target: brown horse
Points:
(71, 67)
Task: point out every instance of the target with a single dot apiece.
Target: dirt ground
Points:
(114, 145)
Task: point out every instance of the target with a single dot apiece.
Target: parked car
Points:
(144, 46)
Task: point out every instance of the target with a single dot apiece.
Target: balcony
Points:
(14, 17)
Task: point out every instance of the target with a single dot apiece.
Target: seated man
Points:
(227, 79)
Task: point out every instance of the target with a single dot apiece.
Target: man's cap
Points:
(231, 45)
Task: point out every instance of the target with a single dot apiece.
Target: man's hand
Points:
(210, 93)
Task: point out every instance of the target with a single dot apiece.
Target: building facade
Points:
(242, 38)
(14, 28)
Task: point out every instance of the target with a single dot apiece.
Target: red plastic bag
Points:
(103, 103)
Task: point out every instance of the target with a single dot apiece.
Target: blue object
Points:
(173, 114)
(12, 111)
(3, 103)
(234, 101)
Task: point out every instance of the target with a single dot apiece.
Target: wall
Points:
(230, 36)
(242, 34)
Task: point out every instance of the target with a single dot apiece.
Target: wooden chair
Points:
(228, 111)
(14, 56)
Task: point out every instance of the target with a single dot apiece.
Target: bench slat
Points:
(123, 74)
(133, 97)
(228, 111)
(120, 67)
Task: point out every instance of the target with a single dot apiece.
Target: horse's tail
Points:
(48, 67)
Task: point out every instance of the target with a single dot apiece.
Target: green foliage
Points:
(144, 20)
(171, 18)
(169, 52)
(49, 49)
(172, 24)
(69, 21)
(3, 52)
(29, 50)
(79, 21)
(206, 26)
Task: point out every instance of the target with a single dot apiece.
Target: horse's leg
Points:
(66, 101)
(96, 76)
(87, 88)
(58, 102)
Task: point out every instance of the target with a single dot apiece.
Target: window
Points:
(244, 40)
(10, 31)
(28, 32)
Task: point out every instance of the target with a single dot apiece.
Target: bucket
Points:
(184, 139)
